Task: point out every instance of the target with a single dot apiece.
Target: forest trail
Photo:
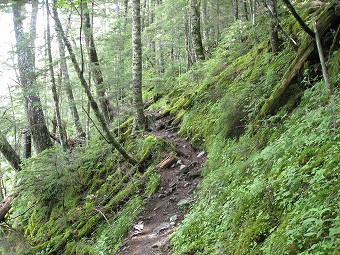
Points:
(179, 176)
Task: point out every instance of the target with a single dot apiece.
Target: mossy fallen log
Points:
(5, 205)
(324, 21)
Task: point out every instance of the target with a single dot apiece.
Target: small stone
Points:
(179, 162)
(201, 154)
(183, 169)
(161, 227)
(184, 202)
(193, 175)
(172, 184)
(173, 218)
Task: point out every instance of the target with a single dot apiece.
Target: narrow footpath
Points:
(180, 174)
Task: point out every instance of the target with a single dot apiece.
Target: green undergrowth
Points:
(85, 201)
(271, 185)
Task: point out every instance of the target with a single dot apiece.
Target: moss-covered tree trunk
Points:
(196, 30)
(273, 26)
(26, 68)
(140, 121)
(324, 21)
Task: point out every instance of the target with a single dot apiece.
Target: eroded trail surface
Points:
(164, 210)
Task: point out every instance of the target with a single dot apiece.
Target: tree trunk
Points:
(9, 153)
(84, 84)
(235, 9)
(5, 205)
(299, 19)
(68, 88)
(274, 38)
(204, 23)
(196, 30)
(62, 139)
(187, 40)
(104, 103)
(140, 121)
(26, 66)
(245, 8)
(27, 143)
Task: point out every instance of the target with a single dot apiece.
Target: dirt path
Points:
(151, 232)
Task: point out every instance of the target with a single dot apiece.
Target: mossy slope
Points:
(271, 185)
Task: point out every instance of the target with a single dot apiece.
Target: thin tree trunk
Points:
(245, 8)
(62, 139)
(68, 88)
(196, 30)
(140, 121)
(274, 38)
(27, 145)
(187, 41)
(84, 84)
(235, 9)
(298, 18)
(204, 18)
(322, 60)
(104, 103)
(26, 66)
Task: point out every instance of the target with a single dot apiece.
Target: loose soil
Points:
(151, 232)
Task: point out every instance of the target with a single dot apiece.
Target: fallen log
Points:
(324, 21)
(5, 205)
(168, 161)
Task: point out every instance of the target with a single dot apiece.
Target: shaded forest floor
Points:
(179, 176)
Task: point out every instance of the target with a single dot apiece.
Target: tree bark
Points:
(5, 205)
(9, 153)
(235, 9)
(62, 139)
(196, 30)
(245, 8)
(68, 88)
(27, 145)
(273, 25)
(84, 84)
(204, 23)
(140, 121)
(187, 40)
(322, 60)
(26, 66)
(104, 103)
(298, 18)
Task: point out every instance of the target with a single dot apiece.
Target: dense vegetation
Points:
(270, 184)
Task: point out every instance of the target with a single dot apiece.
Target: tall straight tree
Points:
(235, 9)
(196, 31)
(109, 137)
(273, 25)
(68, 87)
(26, 67)
(62, 138)
(104, 103)
(140, 120)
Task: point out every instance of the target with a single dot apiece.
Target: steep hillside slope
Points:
(271, 182)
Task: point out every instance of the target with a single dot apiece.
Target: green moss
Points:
(152, 184)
